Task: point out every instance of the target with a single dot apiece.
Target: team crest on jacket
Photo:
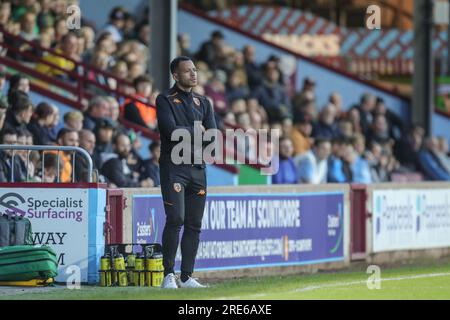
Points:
(197, 102)
(176, 100)
(177, 187)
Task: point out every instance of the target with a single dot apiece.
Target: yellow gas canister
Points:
(105, 271)
(131, 263)
(139, 271)
(157, 269)
(119, 265)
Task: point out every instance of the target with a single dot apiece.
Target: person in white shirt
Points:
(313, 165)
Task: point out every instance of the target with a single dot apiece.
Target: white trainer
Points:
(191, 283)
(169, 282)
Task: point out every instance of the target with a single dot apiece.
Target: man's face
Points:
(24, 85)
(87, 142)
(70, 45)
(105, 134)
(144, 89)
(186, 75)
(100, 110)
(123, 146)
(9, 139)
(26, 115)
(286, 149)
(69, 139)
(323, 150)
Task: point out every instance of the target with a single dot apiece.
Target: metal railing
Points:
(73, 150)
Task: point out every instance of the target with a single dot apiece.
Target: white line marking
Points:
(342, 284)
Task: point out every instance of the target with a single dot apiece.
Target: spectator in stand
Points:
(313, 165)
(379, 131)
(140, 111)
(287, 171)
(116, 169)
(143, 34)
(335, 162)
(301, 134)
(366, 108)
(70, 138)
(236, 86)
(41, 123)
(326, 126)
(18, 82)
(359, 144)
(184, 45)
(68, 48)
(23, 156)
(253, 71)
(56, 125)
(114, 114)
(306, 96)
(442, 153)
(50, 161)
(355, 168)
(345, 129)
(20, 112)
(87, 142)
(254, 108)
(378, 164)
(150, 167)
(210, 51)
(9, 137)
(216, 91)
(429, 162)
(23, 7)
(407, 149)
(45, 17)
(336, 99)
(104, 132)
(73, 120)
(61, 30)
(273, 97)
(394, 122)
(5, 13)
(97, 111)
(116, 24)
(28, 29)
(354, 117)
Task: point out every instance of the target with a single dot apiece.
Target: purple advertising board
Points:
(255, 230)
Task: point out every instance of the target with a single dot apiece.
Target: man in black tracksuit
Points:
(183, 186)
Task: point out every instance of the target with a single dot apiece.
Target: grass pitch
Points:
(427, 280)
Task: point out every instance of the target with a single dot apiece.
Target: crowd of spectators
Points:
(363, 143)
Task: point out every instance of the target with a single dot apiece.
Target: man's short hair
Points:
(154, 145)
(142, 79)
(176, 63)
(320, 140)
(6, 132)
(73, 115)
(62, 132)
(21, 102)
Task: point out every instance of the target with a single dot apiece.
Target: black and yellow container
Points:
(156, 269)
(105, 271)
(120, 270)
(139, 271)
(131, 264)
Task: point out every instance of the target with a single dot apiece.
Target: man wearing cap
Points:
(116, 24)
(183, 186)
